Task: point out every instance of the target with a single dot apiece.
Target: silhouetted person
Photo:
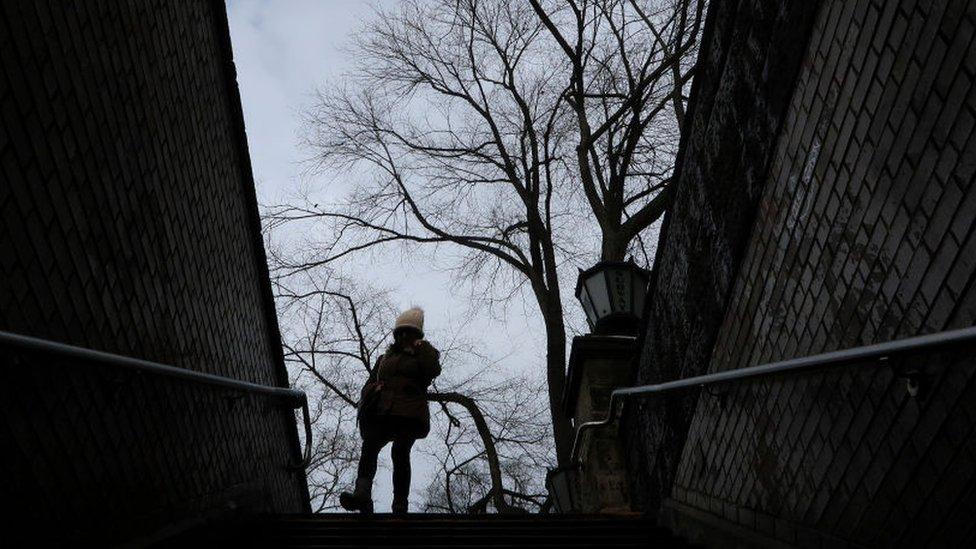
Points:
(393, 408)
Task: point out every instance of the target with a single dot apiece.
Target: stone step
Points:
(426, 530)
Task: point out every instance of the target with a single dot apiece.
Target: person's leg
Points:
(401, 473)
(361, 499)
(368, 456)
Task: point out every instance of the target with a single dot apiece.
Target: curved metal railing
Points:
(879, 353)
(294, 397)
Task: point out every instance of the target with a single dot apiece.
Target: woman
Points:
(393, 408)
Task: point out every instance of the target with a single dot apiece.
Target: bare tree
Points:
(630, 63)
(333, 332)
(334, 451)
(478, 123)
(328, 340)
(509, 441)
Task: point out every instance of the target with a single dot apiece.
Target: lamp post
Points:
(612, 294)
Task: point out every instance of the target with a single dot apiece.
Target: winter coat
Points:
(405, 375)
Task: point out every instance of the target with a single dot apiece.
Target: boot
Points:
(359, 500)
(399, 507)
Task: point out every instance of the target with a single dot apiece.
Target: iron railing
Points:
(876, 354)
(293, 397)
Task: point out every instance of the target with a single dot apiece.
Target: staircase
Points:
(340, 531)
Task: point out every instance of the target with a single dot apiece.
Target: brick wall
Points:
(128, 224)
(751, 53)
(864, 233)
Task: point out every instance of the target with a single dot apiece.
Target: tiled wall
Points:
(864, 233)
(751, 54)
(128, 224)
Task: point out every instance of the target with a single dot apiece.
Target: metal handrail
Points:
(880, 353)
(294, 397)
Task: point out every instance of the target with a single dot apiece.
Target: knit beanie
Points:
(411, 318)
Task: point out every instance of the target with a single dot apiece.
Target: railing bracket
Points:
(914, 383)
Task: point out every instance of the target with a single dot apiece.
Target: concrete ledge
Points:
(703, 528)
(587, 347)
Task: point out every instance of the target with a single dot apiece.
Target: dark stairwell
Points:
(839, 216)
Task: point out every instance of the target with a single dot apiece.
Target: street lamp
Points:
(612, 294)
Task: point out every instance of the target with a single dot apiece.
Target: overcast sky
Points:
(283, 52)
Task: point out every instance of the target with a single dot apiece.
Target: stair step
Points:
(337, 531)
(447, 528)
(461, 535)
(274, 542)
(669, 543)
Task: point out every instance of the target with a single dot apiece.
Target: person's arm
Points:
(430, 360)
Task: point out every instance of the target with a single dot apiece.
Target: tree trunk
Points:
(614, 246)
(494, 467)
(562, 428)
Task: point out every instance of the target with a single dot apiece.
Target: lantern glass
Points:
(587, 302)
(561, 484)
(612, 295)
(596, 287)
